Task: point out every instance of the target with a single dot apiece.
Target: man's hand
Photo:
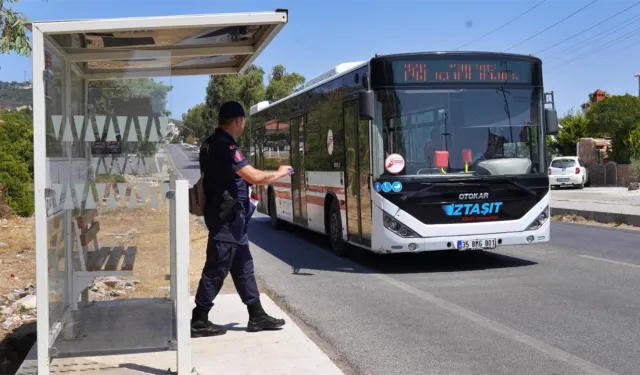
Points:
(257, 177)
(284, 170)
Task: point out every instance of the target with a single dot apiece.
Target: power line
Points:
(588, 28)
(601, 47)
(496, 29)
(601, 35)
(607, 55)
(555, 24)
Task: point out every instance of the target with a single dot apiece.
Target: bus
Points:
(412, 152)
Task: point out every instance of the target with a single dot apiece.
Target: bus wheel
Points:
(273, 213)
(335, 230)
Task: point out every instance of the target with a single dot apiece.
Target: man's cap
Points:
(229, 110)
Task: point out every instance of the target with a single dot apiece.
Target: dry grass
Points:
(18, 257)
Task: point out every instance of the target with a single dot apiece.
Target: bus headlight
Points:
(397, 227)
(541, 219)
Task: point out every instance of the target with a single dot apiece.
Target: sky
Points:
(322, 34)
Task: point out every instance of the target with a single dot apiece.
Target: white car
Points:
(568, 171)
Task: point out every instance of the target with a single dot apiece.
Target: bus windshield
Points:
(472, 124)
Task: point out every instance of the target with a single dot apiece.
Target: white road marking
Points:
(558, 354)
(611, 261)
(172, 163)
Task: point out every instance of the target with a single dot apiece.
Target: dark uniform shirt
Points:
(220, 159)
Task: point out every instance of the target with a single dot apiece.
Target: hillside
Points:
(15, 94)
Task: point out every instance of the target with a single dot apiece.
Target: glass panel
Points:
(108, 219)
(365, 192)
(351, 191)
(452, 131)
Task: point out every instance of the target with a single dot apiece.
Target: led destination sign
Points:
(461, 71)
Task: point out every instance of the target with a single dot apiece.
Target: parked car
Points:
(568, 171)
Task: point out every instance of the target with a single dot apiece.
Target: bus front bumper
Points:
(391, 243)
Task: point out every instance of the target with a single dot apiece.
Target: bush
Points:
(635, 169)
(16, 161)
(18, 192)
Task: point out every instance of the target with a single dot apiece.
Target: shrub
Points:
(18, 192)
(635, 169)
(16, 161)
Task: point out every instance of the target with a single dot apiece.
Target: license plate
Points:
(489, 243)
(563, 180)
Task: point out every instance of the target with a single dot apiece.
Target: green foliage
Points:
(116, 96)
(282, 84)
(16, 161)
(12, 30)
(194, 122)
(175, 139)
(574, 126)
(248, 89)
(618, 117)
(189, 140)
(635, 168)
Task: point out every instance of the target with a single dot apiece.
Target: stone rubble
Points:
(19, 306)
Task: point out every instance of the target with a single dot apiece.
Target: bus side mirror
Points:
(551, 118)
(365, 103)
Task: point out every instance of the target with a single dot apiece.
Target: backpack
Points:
(197, 197)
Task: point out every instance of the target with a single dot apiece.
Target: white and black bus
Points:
(412, 152)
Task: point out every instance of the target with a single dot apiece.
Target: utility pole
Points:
(638, 76)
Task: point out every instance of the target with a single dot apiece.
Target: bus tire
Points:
(335, 230)
(273, 212)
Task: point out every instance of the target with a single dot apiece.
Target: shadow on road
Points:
(306, 251)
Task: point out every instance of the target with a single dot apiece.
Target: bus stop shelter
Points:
(106, 282)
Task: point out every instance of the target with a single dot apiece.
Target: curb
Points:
(601, 217)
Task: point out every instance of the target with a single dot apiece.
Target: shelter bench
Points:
(99, 262)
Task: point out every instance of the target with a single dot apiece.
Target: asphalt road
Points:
(571, 306)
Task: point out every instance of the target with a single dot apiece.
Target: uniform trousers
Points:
(222, 258)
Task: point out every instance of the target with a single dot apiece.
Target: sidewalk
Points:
(288, 351)
(603, 204)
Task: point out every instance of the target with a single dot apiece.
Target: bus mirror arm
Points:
(551, 120)
(366, 105)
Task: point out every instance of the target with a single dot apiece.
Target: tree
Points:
(617, 117)
(106, 95)
(12, 33)
(281, 83)
(194, 122)
(248, 89)
(573, 126)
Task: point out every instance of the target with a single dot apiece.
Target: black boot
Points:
(202, 327)
(259, 320)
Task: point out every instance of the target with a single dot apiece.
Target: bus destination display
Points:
(460, 71)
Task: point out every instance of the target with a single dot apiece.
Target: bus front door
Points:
(298, 179)
(357, 194)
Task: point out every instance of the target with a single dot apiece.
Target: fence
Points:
(610, 174)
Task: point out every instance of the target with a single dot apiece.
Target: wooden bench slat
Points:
(97, 259)
(87, 218)
(129, 258)
(114, 259)
(90, 234)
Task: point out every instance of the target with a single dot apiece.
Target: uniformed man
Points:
(227, 211)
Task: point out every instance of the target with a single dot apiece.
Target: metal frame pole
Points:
(181, 276)
(40, 182)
